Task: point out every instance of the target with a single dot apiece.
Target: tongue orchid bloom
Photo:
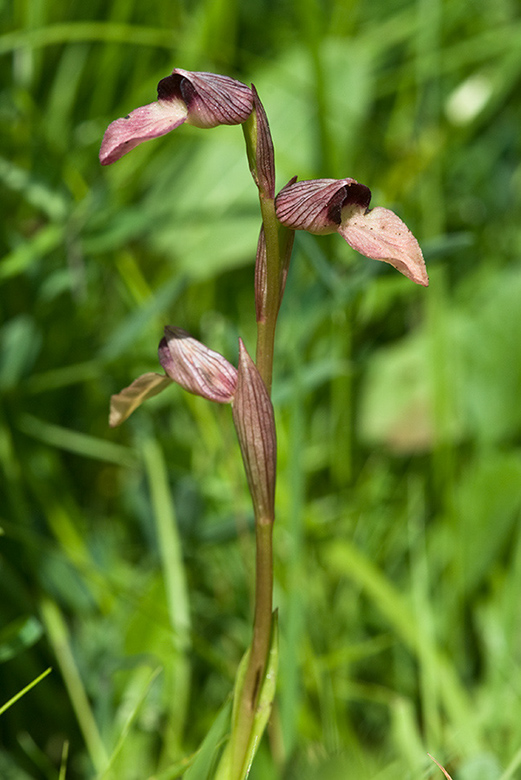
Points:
(342, 206)
(199, 99)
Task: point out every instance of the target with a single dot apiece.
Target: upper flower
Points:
(341, 206)
(200, 99)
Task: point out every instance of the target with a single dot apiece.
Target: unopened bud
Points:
(196, 368)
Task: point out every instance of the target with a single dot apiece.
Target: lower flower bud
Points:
(196, 368)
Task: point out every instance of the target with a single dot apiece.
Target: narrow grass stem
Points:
(59, 638)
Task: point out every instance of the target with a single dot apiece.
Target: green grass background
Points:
(126, 555)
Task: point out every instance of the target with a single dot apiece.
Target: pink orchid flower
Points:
(342, 206)
(199, 99)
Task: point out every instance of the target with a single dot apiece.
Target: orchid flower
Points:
(199, 99)
(185, 361)
(342, 206)
(196, 368)
(319, 206)
(204, 372)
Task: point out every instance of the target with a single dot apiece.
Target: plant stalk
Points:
(268, 322)
(262, 623)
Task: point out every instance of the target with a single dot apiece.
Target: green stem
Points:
(266, 326)
(262, 623)
(261, 630)
(260, 647)
(264, 525)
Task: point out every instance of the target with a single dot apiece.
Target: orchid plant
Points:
(319, 206)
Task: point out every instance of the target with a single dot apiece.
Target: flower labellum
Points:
(196, 368)
(342, 206)
(199, 99)
(124, 403)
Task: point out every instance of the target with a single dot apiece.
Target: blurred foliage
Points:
(126, 555)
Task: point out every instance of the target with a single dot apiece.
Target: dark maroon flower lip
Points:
(210, 99)
(201, 99)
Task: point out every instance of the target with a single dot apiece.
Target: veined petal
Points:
(316, 205)
(196, 368)
(140, 125)
(200, 99)
(381, 235)
(211, 99)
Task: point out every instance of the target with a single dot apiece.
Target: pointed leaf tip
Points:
(262, 157)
